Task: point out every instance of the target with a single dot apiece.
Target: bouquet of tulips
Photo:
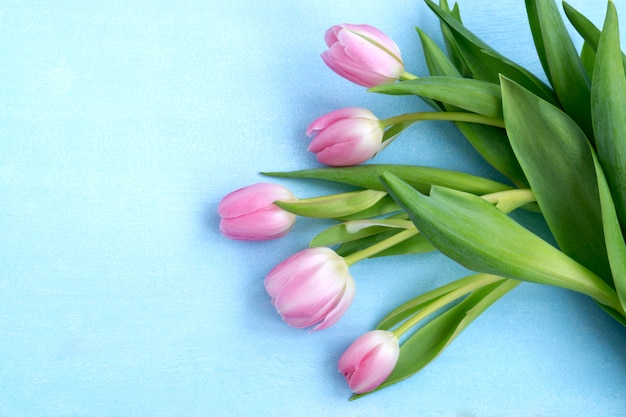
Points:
(561, 145)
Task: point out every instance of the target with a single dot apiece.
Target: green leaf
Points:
(356, 229)
(476, 96)
(395, 130)
(586, 29)
(404, 311)
(561, 61)
(490, 142)
(471, 231)
(493, 145)
(588, 58)
(453, 50)
(431, 339)
(485, 63)
(555, 155)
(616, 247)
(333, 206)
(414, 245)
(608, 106)
(436, 60)
(385, 205)
(368, 176)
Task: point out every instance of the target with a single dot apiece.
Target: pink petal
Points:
(375, 368)
(281, 274)
(251, 198)
(345, 154)
(369, 360)
(309, 290)
(370, 55)
(264, 224)
(345, 130)
(340, 309)
(345, 113)
(337, 60)
(375, 35)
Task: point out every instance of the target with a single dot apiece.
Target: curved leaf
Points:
(404, 311)
(471, 231)
(608, 106)
(561, 61)
(413, 245)
(453, 50)
(485, 63)
(384, 206)
(493, 145)
(431, 339)
(555, 155)
(586, 29)
(490, 142)
(333, 206)
(368, 176)
(616, 247)
(357, 229)
(476, 96)
(439, 64)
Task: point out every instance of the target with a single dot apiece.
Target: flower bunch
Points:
(561, 145)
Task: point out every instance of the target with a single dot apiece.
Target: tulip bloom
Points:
(347, 136)
(369, 360)
(362, 54)
(250, 213)
(311, 287)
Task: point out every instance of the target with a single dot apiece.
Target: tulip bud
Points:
(369, 360)
(250, 213)
(311, 287)
(347, 136)
(362, 54)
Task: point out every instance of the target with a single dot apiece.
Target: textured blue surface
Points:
(122, 125)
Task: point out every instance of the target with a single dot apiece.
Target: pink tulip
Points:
(250, 213)
(347, 136)
(362, 54)
(369, 360)
(311, 287)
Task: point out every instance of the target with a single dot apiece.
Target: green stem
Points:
(381, 246)
(443, 115)
(406, 76)
(506, 201)
(474, 282)
(509, 200)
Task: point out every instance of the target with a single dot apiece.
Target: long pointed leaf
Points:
(485, 63)
(588, 58)
(368, 176)
(404, 311)
(346, 232)
(431, 340)
(471, 231)
(333, 206)
(555, 155)
(608, 104)
(616, 247)
(561, 61)
(490, 142)
(476, 96)
(493, 145)
(586, 29)
(438, 63)
(413, 245)
(453, 50)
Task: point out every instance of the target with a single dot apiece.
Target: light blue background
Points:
(122, 125)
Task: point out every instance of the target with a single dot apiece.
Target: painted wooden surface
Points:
(123, 123)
